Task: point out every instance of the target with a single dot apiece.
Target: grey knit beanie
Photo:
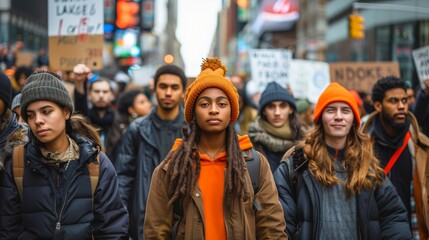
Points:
(16, 102)
(44, 85)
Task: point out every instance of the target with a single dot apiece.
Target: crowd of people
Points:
(83, 156)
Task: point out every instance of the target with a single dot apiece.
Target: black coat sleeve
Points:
(393, 215)
(286, 195)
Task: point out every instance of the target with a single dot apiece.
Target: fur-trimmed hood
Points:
(17, 137)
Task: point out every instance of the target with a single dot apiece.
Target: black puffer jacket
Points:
(63, 209)
(380, 213)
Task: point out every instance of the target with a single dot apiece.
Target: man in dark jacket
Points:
(335, 189)
(100, 94)
(147, 142)
(402, 149)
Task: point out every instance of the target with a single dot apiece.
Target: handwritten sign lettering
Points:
(421, 60)
(75, 33)
(268, 65)
(361, 76)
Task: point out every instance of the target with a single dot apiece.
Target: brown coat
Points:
(242, 221)
(419, 149)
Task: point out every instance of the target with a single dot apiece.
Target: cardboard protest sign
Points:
(308, 79)
(421, 59)
(361, 76)
(24, 59)
(268, 65)
(75, 34)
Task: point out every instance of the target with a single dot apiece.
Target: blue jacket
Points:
(380, 213)
(62, 209)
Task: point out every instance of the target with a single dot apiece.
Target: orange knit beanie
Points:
(336, 93)
(212, 76)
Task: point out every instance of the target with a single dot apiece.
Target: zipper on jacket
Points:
(57, 178)
(58, 225)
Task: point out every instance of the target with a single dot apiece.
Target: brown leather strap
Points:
(18, 167)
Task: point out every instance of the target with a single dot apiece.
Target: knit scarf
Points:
(283, 132)
(103, 122)
(54, 159)
(8, 124)
(274, 139)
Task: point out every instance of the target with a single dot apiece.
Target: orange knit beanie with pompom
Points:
(212, 76)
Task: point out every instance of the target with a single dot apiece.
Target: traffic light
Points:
(356, 26)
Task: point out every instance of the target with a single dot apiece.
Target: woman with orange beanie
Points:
(203, 189)
(332, 187)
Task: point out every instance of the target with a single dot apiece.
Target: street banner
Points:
(269, 65)
(361, 76)
(421, 59)
(76, 34)
(308, 79)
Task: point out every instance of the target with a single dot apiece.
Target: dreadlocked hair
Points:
(236, 182)
(183, 167)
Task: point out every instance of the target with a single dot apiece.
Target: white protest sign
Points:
(308, 79)
(142, 75)
(269, 65)
(421, 59)
(75, 32)
(75, 17)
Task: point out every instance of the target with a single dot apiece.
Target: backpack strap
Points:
(253, 166)
(94, 172)
(18, 167)
(253, 163)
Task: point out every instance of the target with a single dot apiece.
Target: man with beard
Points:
(101, 114)
(148, 141)
(402, 149)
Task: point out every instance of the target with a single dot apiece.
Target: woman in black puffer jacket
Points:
(57, 200)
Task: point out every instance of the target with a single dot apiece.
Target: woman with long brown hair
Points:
(59, 196)
(202, 189)
(331, 186)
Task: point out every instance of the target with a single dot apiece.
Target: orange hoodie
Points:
(211, 182)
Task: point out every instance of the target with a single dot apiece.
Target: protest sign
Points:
(268, 65)
(421, 59)
(308, 79)
(361, 76)
(75, 33)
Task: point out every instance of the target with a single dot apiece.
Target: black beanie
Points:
(275, 92)
(44, 86)
(5, 89)
(171, 69)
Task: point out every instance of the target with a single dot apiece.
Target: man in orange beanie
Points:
(204, 180)
(331, 186)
